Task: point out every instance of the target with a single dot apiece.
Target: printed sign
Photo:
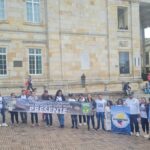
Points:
(120, 119)
(47, 106)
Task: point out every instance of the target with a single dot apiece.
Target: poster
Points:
(120, 119)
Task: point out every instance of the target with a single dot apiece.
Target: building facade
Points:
(57, 41)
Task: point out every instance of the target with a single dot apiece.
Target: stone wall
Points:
(76, 37)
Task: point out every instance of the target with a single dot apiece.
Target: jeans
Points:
(88, 121)
(74, 120)
(49, 119)
(61, 119)
(34, 118)
(100, 117)
(145, 125)
(3, 115)
(14, 116)
(80, 119)
(134, 122)
(23, 116)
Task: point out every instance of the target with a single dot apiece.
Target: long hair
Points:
(63, 98)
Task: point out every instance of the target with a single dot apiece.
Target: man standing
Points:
(100, 109)
(48, 116)
(133, 104)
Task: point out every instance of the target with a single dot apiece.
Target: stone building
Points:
(57, 41)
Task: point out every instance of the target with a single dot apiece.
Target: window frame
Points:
(35, 69)
(130, 69)
(127, 8)
(6, 54)
(33, 12)
(5, 14)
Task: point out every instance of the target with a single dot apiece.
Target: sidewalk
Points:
(25, 137)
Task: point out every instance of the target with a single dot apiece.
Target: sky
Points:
(147, 33)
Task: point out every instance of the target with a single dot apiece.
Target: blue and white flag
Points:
(120, 119)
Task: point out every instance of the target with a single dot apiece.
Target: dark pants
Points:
(49, 119)
(34, 118)
(100, 118)
(30, 86)
(145, 125)
(14, 116)
(80, 118)
(23, 116)
(88, 121)
(74, 121)
(3, 115)
(134, 123)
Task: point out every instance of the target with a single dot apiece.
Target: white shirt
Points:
(143, 111)
(100, 105)
(33, 98)
(133, 104)
(59, 99)
(71, 100)
(23, 97)
(1, 102)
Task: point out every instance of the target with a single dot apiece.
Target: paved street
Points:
(26, 137)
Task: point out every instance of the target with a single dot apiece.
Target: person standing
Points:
(59, 97)
(2, 111)
(100, 109)
(82, 100)
(108, 116)
(11, 107)
(48, 116)
(23, 115)
(34, 116)
(133, 104)
(29, 83)
(74, 119)
(144, 117)
(91, 117)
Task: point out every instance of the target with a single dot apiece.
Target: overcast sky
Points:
(147, 33)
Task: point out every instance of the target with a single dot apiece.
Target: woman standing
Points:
(108, 116)
(60, 98)
(82, 100)
(144, 117)
(91, 117)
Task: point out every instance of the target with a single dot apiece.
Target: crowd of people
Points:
(99, 119)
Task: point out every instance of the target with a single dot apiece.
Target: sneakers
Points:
(4, 125)
(146, 136)
(84, 124)
(137, 134)
(131, 133)
(80, 124)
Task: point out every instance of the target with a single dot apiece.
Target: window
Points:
(33, 10)
(3, 65)
(122, 18)
(2, 10)
(35, 61)
(124, 63)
